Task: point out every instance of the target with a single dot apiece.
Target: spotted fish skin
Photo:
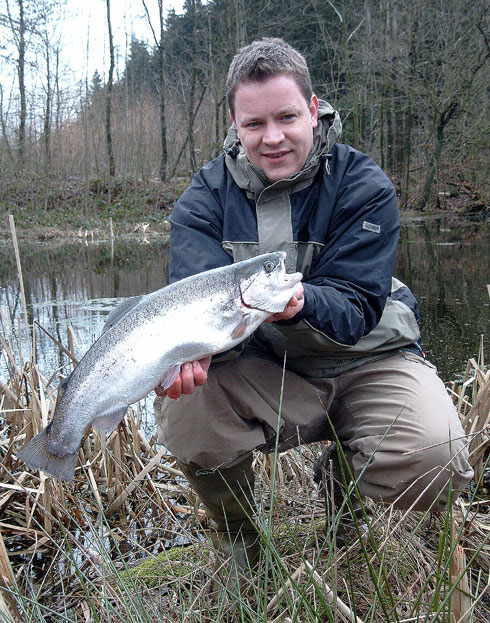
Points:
(148, 340)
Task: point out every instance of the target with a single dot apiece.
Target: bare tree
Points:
(108, 127)
(413, 18)
(18, 28)
(5, 136)
(192, 89)
(163, 123)
(160, 46)
(47, 113)
(452, 77)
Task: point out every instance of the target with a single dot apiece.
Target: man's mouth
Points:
(276, 156)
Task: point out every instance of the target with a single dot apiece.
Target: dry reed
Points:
(140, 489)
(133, 494)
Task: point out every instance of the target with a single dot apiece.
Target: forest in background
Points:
(411, 81)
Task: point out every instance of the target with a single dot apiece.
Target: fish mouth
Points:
(271, 306)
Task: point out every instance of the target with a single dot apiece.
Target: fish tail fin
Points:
(37, 456)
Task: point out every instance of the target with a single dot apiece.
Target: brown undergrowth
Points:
(125, 541)
(127, 534)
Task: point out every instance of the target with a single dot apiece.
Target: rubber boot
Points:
(351, 525)
(227, 497)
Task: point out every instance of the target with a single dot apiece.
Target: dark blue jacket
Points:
(338, 221)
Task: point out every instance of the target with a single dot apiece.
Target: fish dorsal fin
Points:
(121, 310)
(107, 421)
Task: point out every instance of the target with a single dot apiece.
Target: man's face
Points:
(275, 125)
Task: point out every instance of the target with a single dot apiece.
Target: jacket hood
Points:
(253, 179)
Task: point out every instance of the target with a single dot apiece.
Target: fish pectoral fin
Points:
(107, 421)
(240, 329)
(170, 376)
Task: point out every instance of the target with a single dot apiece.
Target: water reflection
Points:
(79, 283)
(73, 284)
(447, 267)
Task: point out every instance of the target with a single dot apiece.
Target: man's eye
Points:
(288, 117)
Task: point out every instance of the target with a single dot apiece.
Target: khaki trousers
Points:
(393, 412)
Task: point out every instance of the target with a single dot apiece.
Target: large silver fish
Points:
(202, 315)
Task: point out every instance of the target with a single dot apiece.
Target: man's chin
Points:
(276, 174)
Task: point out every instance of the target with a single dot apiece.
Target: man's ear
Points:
(233, 122)
(313, 108)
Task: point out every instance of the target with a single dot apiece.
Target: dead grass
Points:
(125, 541)
(128, 502)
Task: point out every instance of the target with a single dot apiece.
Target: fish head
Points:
(267, 286)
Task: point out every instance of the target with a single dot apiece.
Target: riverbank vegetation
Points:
(76, 211)
(409, 79)
(126, 539)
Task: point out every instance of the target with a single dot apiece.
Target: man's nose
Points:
(273, 134)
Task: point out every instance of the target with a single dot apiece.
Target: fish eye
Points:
(269, 266)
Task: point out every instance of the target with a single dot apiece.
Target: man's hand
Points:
(294, 306)
(191, 375)
(195, 373)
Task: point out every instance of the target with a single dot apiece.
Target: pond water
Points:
(77, 283)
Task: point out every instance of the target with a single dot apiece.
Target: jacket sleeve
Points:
(196, 234)
(347, 287)
(196, 229)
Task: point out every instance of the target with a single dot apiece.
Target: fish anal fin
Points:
(107, 421)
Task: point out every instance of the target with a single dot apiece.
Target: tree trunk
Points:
(406, 154)
(351, 83)
(407, 125)
(47, 124)
(108, 129)
(22, 87)
(163, 123)
(5, 137)
(192, 91)
(47, 113)
(442, 120)
(382, 129)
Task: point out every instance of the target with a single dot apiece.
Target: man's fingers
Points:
(187, 375)
(200, 374)
(294, 306)
(175, 390)
(191, 375)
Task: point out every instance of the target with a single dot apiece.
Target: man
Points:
(349, 335)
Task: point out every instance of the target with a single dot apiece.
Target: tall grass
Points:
(403, 572)
(72, 552)
(126, 541)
